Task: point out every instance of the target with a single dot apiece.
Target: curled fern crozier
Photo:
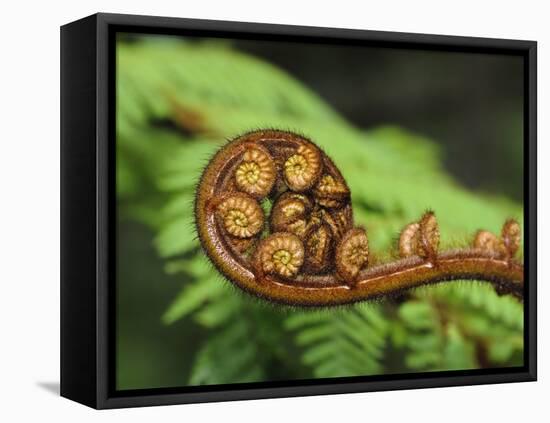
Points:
(308, 252)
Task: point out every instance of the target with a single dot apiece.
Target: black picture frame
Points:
(88, 235)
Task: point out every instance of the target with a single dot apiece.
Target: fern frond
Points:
(461, 325)
(347, 342)
(218, 362)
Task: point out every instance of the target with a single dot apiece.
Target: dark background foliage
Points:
(471, 104)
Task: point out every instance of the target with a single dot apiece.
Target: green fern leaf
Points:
(345, 343)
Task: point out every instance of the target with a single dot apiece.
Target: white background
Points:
(29, 209)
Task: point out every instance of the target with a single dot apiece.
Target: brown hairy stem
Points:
(309, 253)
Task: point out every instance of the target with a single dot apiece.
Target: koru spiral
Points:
(306, 251)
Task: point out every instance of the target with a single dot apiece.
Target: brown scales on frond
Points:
(308, 251)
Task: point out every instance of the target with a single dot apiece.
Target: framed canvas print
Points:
(255, 211)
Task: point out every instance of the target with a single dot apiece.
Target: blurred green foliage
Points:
(177, 102)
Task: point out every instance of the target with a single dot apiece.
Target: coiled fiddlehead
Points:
(308, 252)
